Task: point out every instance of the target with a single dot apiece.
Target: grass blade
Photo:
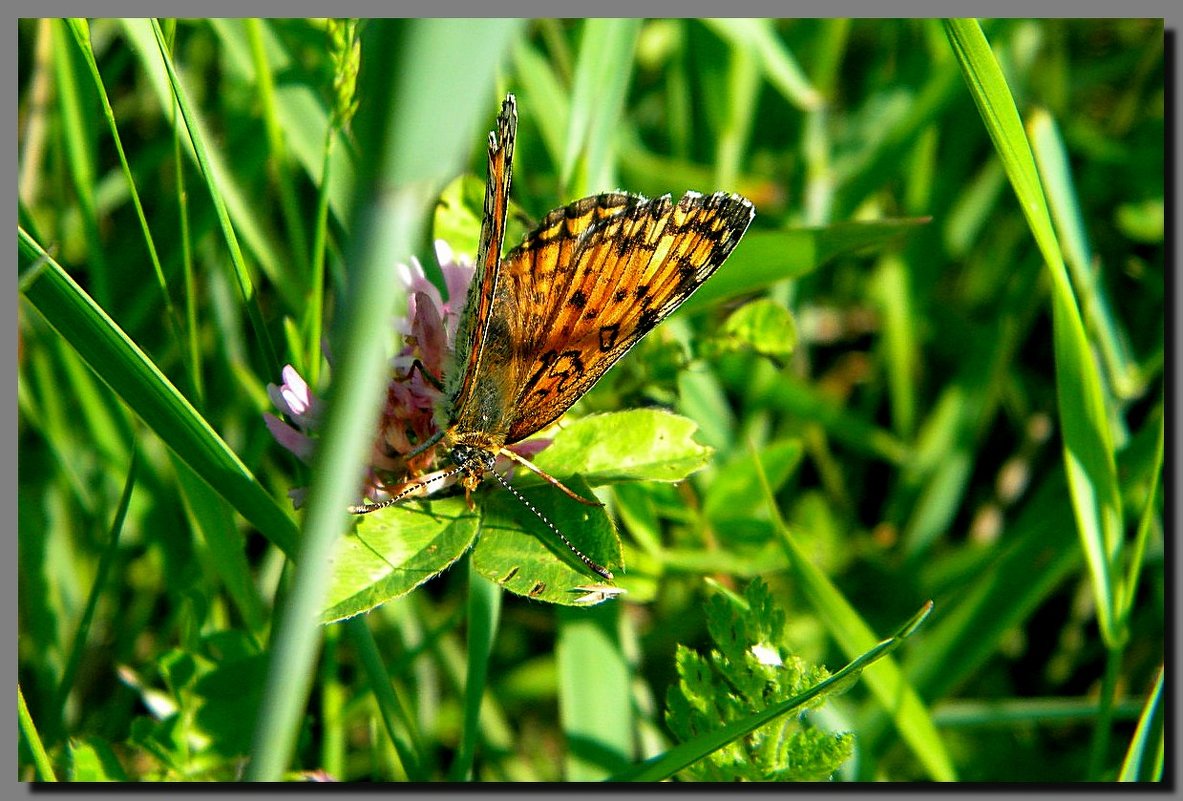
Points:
(484, 611)
(29, 729)
(145, 46)
(1141, 763)
(129, 372)
(888, 684)
(595, 707)
(674, 760)
(213, 183)
(1088, 447)
(415, 158)
(776, 61)
(602, 73)
(81, 31)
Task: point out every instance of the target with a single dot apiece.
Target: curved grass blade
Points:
(1088, 447)
(1144, 759)
(29, 729)
(129, 372)
(214, 185)
(888, 684)
(666, 765)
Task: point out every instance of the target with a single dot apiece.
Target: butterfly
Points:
(542, 324)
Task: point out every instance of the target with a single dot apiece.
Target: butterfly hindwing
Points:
(473, 334)
(606, 283)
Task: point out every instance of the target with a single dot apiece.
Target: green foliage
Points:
(395, 550)
(749, 670)
(960, 231)
(198, 702)
(763, 327)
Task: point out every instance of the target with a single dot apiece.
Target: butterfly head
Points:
(474, 460)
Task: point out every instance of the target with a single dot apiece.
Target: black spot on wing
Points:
(608, 336)
(647, 321)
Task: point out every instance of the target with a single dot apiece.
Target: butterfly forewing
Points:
(547, 254)
(606, 284)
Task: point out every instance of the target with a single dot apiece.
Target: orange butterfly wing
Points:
(473, 333)
(594, 278)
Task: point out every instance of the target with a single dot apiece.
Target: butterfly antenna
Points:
(415, 486)
(603, 571)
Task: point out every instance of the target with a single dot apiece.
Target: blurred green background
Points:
(908, 395)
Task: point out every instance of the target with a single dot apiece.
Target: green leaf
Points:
(393, 551)
(762, 326)
(521, 553)
(763, 258)
(92, 759)
(667, 764)
(635, 445)
(747, 670)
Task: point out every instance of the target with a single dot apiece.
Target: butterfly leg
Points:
(427, 376)
(427, 443)
(534, 469)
